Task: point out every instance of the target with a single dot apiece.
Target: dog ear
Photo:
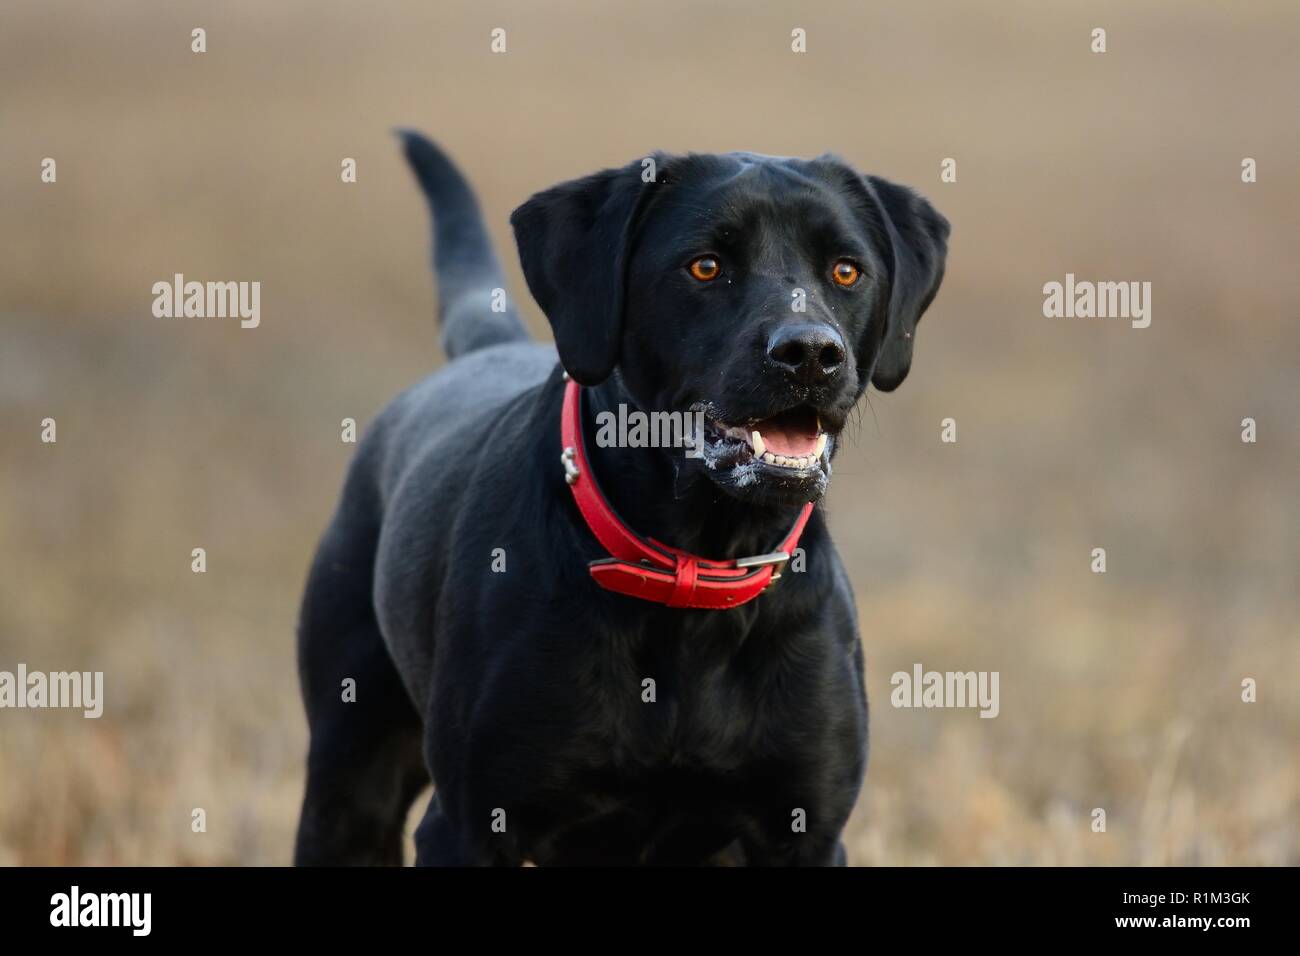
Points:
(574, 240)
(919, 236)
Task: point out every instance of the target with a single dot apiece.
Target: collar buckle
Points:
(778, 560)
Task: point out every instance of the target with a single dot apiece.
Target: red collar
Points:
(648, 569)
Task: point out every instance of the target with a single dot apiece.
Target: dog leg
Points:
(440, 842)
(365, 766)
(808, 850)
(354, 808)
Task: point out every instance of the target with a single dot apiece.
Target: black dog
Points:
(561, 720)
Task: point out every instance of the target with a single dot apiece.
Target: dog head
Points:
(763, 292)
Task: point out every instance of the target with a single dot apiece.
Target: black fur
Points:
(521, 692)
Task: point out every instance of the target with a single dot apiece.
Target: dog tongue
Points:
(793, 434)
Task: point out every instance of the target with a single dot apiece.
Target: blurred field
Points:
(1118, 691)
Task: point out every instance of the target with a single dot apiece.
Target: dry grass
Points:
(1119, 691)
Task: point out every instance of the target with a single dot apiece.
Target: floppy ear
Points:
(574, 240)
(919, 236)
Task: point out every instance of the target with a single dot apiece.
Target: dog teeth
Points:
(785, 461)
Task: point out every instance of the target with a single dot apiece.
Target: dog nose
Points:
(811, 353)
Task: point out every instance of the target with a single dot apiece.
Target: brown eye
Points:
(705, 268)
(845, 273)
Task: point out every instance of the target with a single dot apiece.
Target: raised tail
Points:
(471, 286)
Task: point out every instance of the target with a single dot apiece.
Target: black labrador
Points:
(453, 628)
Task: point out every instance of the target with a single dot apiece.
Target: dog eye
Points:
(845, 272)
(705, 268)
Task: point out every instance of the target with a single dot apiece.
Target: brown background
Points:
(1119, 691)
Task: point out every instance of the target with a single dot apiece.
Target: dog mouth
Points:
(789, 444)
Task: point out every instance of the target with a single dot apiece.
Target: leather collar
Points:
(651, 570)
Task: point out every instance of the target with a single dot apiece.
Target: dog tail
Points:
(473, 309)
